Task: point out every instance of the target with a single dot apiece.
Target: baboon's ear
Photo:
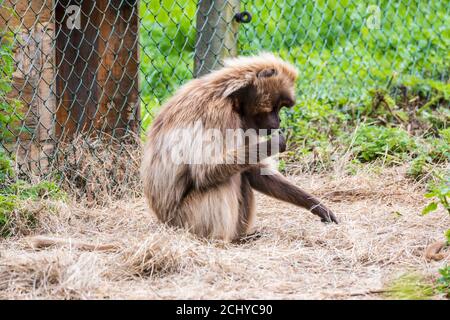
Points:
(235, 86)
(242, 97)
(266, 73)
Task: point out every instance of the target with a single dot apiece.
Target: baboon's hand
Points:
(325, 214)
(276, 144)
(282, 143)
(281, 140)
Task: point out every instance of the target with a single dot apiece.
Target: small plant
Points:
(431, 150)
(419, 167)
(384, 109)
(439, 192)
(410, 287)
(372, 142)
(443, 283)
(15, 192)
(5, 167)
(9, 114)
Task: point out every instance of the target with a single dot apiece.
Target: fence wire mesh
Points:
(78, 72)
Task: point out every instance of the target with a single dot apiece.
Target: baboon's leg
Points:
(246, 207)
(279, 187)
(212, 213)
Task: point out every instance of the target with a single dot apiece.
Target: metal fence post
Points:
(216, 34)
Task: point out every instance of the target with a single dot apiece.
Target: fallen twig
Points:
(41, 242)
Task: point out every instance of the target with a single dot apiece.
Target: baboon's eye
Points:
(267, 73)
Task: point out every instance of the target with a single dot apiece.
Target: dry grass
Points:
(382, 235)
(100, 170)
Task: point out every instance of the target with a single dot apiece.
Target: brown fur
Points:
(216, 200)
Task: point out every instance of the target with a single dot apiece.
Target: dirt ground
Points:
(382, 235)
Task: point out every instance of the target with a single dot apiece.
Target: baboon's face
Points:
(260, 107)
(270, 119)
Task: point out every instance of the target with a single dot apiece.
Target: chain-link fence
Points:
(78, 72)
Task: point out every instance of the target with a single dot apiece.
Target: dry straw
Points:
(382, 235)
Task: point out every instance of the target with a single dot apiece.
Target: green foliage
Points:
(410, 287)
(41, 190)
(443, 284)
(384, 81)
(416, 287)
(337, 52)
(440, 193)
(7, 205)
(431, 151)
(6, 170)
(383, 108)
(282, 165)
(445, 134)
(419, 167)
(372, 142)
(13, 192)
(311, 125)
(167, 38)
(438, 150)
(9, 114)
(343, 63)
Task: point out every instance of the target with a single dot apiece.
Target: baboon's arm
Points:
(280, 188)
(236, 161)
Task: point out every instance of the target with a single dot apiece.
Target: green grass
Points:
(372, 142)
(350, 74)
(443, 285)
(410, 287)
(337, 54)
(14, 192)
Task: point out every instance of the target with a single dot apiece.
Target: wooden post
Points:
(69, 80)
(216, 34)
(33, 77)
(98, 69)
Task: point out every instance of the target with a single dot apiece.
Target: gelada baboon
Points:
(212, 198)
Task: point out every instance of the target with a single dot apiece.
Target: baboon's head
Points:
(259, 87)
